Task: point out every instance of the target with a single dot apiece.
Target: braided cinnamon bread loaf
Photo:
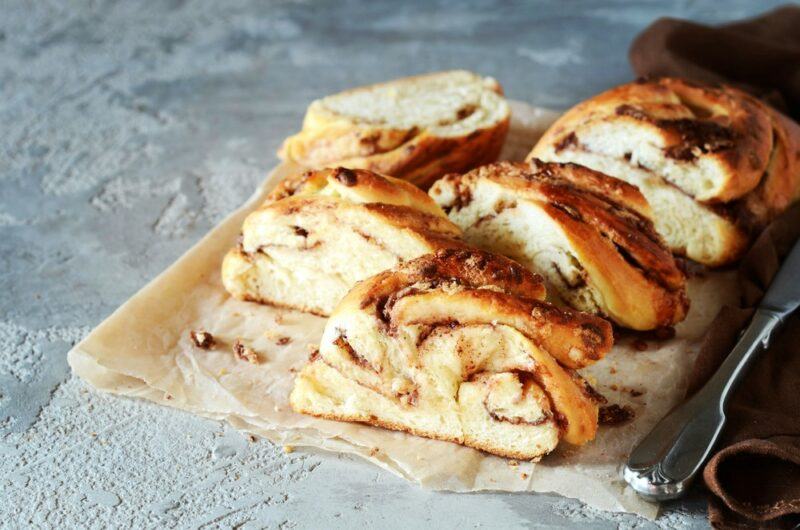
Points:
(715, 164)
(458, 346)
(588, 234)
(416, 128)
(317, 236)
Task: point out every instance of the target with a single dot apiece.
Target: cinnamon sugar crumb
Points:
(202, 339)
(615, 414)
(244, 353)
(277, 338)
(665, 333)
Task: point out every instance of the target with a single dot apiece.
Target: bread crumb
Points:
(251, 438)
(277, 338)
(612, 370)
(311, 347)
(615, 415)
(639, 345)
(279, 318)
(374, 451)
(524, 476)
(244, 353)
(288, 449)
(167, 396)
(223, 371)
(666, 333)
(513, 463)
(202, 339)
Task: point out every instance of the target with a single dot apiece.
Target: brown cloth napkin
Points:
(761, 55)
(754, 477)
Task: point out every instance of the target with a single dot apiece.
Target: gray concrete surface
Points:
(131, 128)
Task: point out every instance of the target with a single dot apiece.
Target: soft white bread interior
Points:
(588, 234)
(416, 128)
(458, 346)
(317, 236)
(698, 154)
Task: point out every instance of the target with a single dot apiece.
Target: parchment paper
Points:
(143, 350)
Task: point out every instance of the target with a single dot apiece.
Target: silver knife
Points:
(664, 463)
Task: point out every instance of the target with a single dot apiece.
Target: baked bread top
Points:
(715, 164)
(713, 143)
(458, 345)
(470, 285)
(415, 128)
(318, 235)
(357, 186)
(588, 234)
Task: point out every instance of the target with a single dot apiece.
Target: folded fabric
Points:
(755, 474)
(754, 477)
(760, 55)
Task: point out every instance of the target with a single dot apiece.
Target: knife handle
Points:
(663, 464)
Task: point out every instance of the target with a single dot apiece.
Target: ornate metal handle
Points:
(664, 463)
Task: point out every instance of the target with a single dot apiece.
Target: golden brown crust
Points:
(780, 184)
(592, 182)
(425, 158)
(357, 185)
(298, 227)
(576, 339)
(414, 153)
(366, 341)
(399, 216)
(471, 267)
(736, 157)
(606, 223)
(694, 122)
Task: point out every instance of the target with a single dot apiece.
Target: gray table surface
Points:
(128, 130)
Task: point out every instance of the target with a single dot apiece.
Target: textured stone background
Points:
(131, 128)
